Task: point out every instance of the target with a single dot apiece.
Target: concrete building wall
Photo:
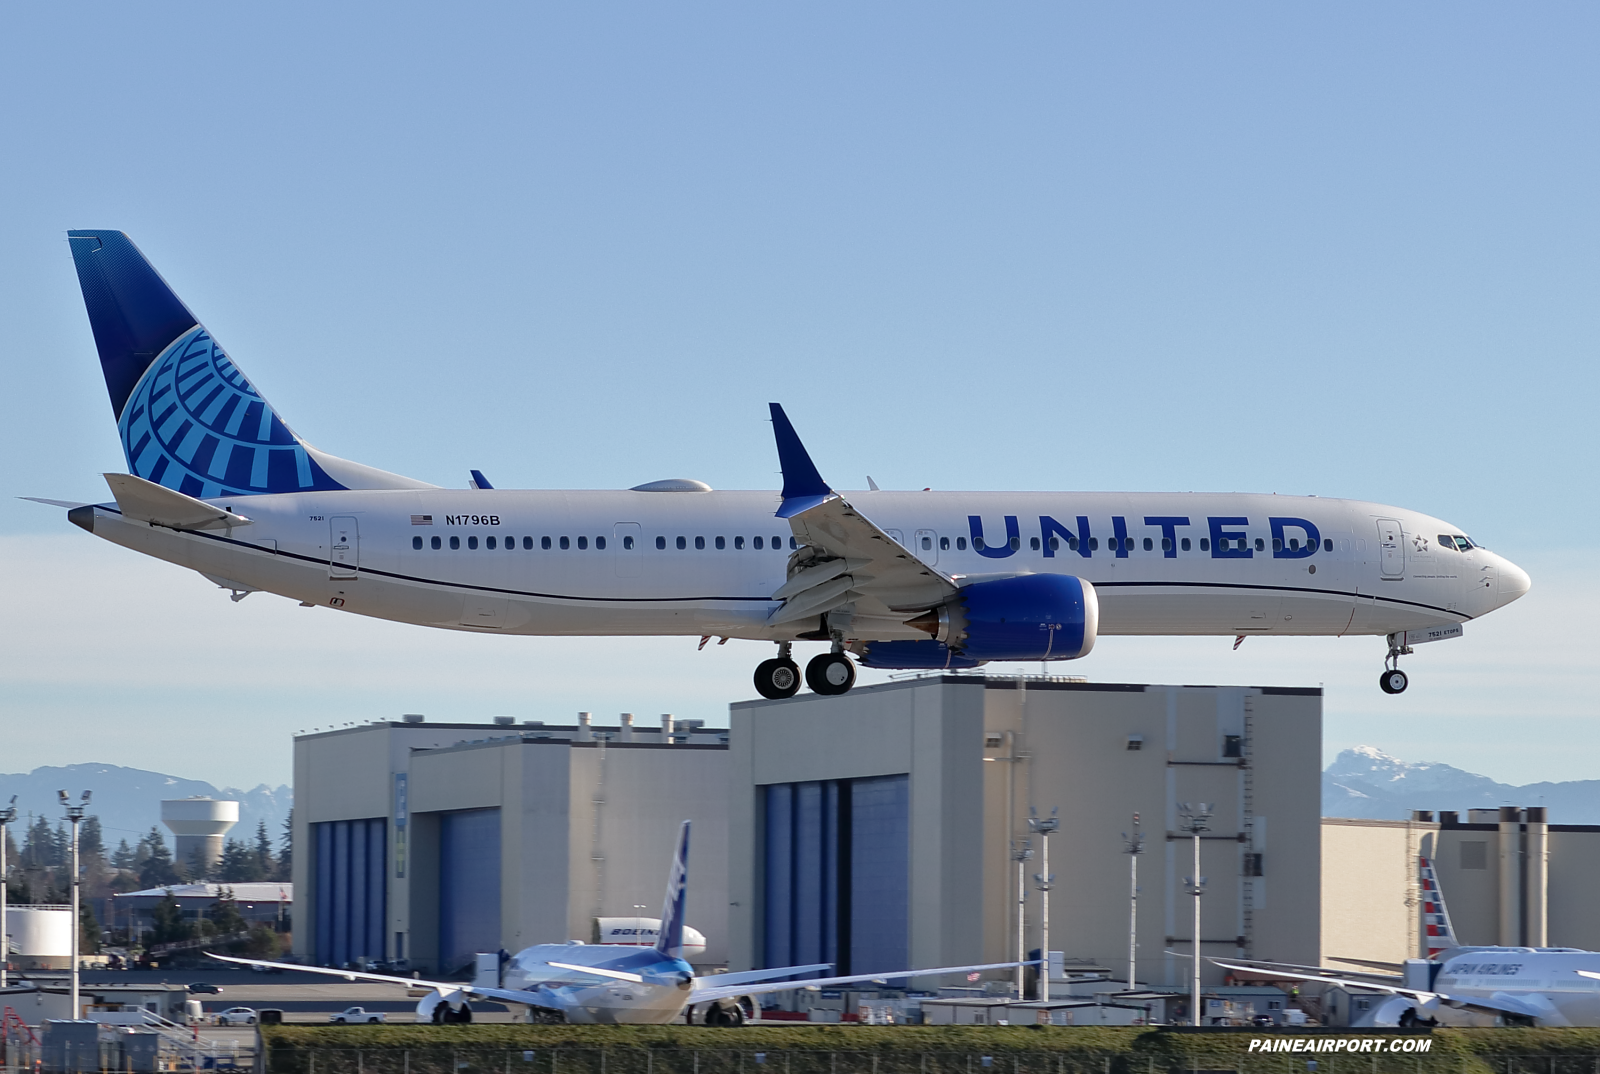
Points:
(980, 752)
(1371, 905)
(1369, 888)
(583, 823)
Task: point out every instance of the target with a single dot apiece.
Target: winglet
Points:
(669, 941)
(803, 487)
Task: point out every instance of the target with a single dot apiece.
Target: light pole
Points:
(1194, 822)
(1044, 827)
(1133, 846)
(7, 815)
(1020, 853)
(75, 816)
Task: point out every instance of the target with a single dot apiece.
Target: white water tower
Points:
(199, 823)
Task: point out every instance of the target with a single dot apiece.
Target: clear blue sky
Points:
(1349, 250)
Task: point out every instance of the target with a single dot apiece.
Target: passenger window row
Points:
(509, 543)
(546, 543)
(758, 543)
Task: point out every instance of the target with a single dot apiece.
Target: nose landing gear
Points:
(1393, 680)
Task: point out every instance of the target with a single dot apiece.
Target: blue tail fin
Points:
(189, 418)
(669, 942)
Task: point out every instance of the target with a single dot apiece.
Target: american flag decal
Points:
(422, 520)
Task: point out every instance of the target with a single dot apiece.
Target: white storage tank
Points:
(199, 824)
(41, 936)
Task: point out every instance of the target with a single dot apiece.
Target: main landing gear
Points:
(830, 674)
(780, 677)
(1393, 680)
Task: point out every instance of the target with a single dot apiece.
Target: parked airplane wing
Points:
(447, 988)
(1499, 1003)
(847, 559)
(716, 991)
(725, 980)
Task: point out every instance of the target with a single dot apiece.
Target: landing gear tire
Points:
(830, 674)
(777, 678)
(1393, 681)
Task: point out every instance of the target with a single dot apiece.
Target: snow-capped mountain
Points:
(1365, 782)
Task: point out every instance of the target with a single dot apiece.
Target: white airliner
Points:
(589, 983)
(1547, 986)
(218, 483)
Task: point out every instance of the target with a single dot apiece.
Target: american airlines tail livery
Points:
(218, 483)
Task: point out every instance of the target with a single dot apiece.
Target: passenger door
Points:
(1391, 549)
(344, 548)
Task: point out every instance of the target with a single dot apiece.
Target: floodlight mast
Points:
(1194, 822)
(1021, 852)
(75, 816)
(7, 815)
(1044, 827)
(1133, 846)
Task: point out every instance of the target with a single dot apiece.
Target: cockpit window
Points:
(1446, 541)
(1455, 540)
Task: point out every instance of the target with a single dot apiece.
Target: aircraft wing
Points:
(722, 980)
(1384, 967)
(848, 561)
(503, 995)
(1498, 1003)
(718, 991)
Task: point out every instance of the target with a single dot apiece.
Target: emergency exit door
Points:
(344, 548)
(1391, 549)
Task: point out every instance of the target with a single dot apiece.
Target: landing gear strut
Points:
(780, 677)
(1393, 680)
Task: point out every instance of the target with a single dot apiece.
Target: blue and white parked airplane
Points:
(587, 983)
(218, 483)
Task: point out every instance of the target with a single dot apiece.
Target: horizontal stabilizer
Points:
(145, 501)
(616, 975)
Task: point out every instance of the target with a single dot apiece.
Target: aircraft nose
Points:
(1514, 581)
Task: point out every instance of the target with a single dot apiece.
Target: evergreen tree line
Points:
(40, 873)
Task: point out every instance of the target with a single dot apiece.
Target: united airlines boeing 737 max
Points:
(218, 483)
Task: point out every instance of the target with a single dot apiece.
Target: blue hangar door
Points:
(469, 886)
(351, 889)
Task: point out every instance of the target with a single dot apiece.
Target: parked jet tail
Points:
(1439, 935)
(669, 941)
(189, 418)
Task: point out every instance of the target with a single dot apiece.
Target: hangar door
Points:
(469, 886)
(837, 874)
(351, 889)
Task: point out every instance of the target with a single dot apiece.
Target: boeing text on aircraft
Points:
(217, 482)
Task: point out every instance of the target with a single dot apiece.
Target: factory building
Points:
(876, 830)
(1508, 876)
(428, 842)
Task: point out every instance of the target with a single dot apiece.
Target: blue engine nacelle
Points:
(1029, 617)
